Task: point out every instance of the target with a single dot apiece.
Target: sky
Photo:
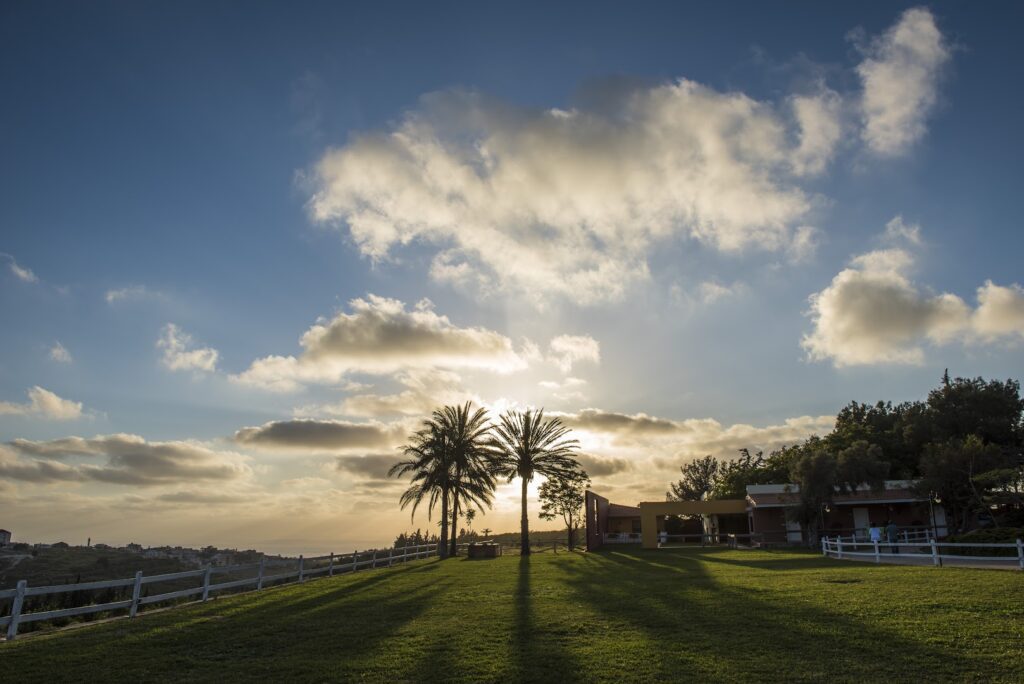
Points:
(246, 247)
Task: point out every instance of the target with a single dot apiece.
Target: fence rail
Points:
(307, 568)
(901, 552)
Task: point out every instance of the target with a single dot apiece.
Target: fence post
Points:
(300, 567)
(1020, 553)
(355, 558)
(259, 578)
(935, 554)
(373, 564)
(824, 546)
(136, 590)
(877, 559)
(330, 566)
(839, 546)
(206, 582)
(19, 599)
(390, 555)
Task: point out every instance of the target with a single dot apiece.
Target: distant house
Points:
(762, 516)
(5, 538)
(133, 548)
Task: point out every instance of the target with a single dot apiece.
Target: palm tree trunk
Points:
(524, 526)
(443, 547)
(455, 524)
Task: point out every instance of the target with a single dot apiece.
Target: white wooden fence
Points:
(925, 552)
(299, 571)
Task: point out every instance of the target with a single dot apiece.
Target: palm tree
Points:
(531, 445)
(452, 461)
(473, 459)
(486, 532)
(428, 459)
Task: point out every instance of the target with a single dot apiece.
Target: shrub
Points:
(1001, 535)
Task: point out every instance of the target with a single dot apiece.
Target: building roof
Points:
(620, 511)
(866, 496)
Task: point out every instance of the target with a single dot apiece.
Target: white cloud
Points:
(381, 336)
(59, 353)
(872, 313)
(22, 273)
(549, 203)
(820, 123)
(43, 403)
(426, 389)
(804, 244)
(900, 75)
(711, 291)
(897, 229)
(178, 354)
(132, 293)
(565, 351)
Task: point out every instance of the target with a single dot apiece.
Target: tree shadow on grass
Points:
(762, 560)
(333, 634)
(684, 623)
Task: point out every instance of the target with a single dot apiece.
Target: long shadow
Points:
(539, 644)
(721, 632)
(338, 629)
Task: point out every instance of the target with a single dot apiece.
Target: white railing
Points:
(898, 552)
(913, 535)
(299, 570)
(621, 537)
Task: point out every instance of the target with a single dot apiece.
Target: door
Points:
(794, 533)
(861, 521)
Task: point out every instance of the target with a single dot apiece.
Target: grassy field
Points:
(708, 615)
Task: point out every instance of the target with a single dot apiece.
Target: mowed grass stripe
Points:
(618, 615)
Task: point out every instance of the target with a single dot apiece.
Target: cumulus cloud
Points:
(45, 404)
(571, 202)
(178, 354)
(900, 75)
(873, 313)
(59, 353)
(565, 351)
(22, 273)
(322, 435)
(426, 389)
(382, 336)
(819, 119)
(129, 460)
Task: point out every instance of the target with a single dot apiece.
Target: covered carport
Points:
(650, 511)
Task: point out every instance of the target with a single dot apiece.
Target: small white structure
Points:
(5, 538)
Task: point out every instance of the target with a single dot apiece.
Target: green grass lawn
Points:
(630, 615)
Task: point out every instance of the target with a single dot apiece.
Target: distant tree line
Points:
(963, 446)
(458, 456)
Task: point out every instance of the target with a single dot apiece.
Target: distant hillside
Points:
(43, 567)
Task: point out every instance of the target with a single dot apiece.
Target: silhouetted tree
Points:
(531, 446)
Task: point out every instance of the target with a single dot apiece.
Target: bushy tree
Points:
(962, 475)
(564, 497)
(698, 479)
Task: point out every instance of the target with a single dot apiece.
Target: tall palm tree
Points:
(473, 459)
(452, 462)
(530, 446)
(428, 459)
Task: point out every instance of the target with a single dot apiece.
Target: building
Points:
(5, 538)
(761, 517)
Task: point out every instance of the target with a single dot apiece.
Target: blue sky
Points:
(732, 219)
